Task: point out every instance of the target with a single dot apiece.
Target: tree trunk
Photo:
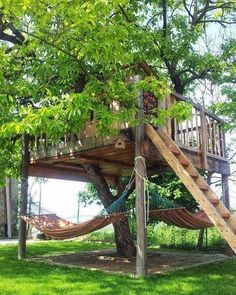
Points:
(200, 239)
(124, 243)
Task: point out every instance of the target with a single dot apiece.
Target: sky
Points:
(60, 197)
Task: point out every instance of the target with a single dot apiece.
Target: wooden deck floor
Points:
(64, 160)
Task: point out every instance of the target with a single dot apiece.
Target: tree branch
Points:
(51, 44)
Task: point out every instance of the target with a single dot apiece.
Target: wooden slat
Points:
(187, 133)
(203, 139)
(218, 149)
(192, 138)
(176, 130)
(197, 129)
(190, 184)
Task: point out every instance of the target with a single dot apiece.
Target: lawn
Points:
(26, 277)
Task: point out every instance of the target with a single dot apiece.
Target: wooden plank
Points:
(63, 173)
(192, 138)
(203, 139)
(168, 105)
(190, 184)
(197, 129)
(187, 133)
(214, 137)
(141, 257)
(225, 190)
(218, 139)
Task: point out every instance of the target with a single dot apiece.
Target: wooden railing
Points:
(202, 132)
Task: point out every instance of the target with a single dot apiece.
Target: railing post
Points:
(203, 138)
(141, 258)
(224, 178)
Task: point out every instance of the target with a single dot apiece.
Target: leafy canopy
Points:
(61, 60)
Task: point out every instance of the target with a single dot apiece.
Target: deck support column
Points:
(141, 258)
(225, 190)
(24, 196)
(226, 200)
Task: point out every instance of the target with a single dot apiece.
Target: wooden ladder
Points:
(219, 215)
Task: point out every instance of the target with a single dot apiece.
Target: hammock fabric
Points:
(161, 208)
(53, 226)
(181, 217)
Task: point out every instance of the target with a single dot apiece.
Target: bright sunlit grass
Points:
(26, 277)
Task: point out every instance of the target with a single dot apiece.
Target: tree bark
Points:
(124, 242)
(200, 239)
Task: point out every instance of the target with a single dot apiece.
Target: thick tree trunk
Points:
(124, 243)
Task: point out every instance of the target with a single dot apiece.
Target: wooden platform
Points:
(66, 162)
(201, 139)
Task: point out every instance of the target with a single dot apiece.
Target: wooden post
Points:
(8, 206)
(224, 178)
(141, 258)
(203, 139)
(24, 196)
(225, 190)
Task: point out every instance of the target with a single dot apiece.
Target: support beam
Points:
(66, 172)
(225, 191)
(24, 196)
(141, 258)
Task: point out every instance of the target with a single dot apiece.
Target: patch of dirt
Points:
(157, 262)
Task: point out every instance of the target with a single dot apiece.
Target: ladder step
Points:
(225, 215)
(201, 184)
(183, 161)
(214, 201)
(174, 150)
(192, 172)
(203, 187)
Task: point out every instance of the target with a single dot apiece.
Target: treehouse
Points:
(201, 138)
(185, 147)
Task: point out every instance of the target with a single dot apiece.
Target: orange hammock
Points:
(181, 217)
(53, 226)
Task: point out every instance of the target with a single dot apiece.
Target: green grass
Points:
(26, 277)
(166, 236)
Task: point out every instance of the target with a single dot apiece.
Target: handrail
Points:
(197, 106)
(203, 131)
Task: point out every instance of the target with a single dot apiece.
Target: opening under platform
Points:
(108, 261)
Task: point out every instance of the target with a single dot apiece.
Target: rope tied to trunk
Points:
(145, 179)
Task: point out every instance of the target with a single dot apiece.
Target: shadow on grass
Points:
(24, 277)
